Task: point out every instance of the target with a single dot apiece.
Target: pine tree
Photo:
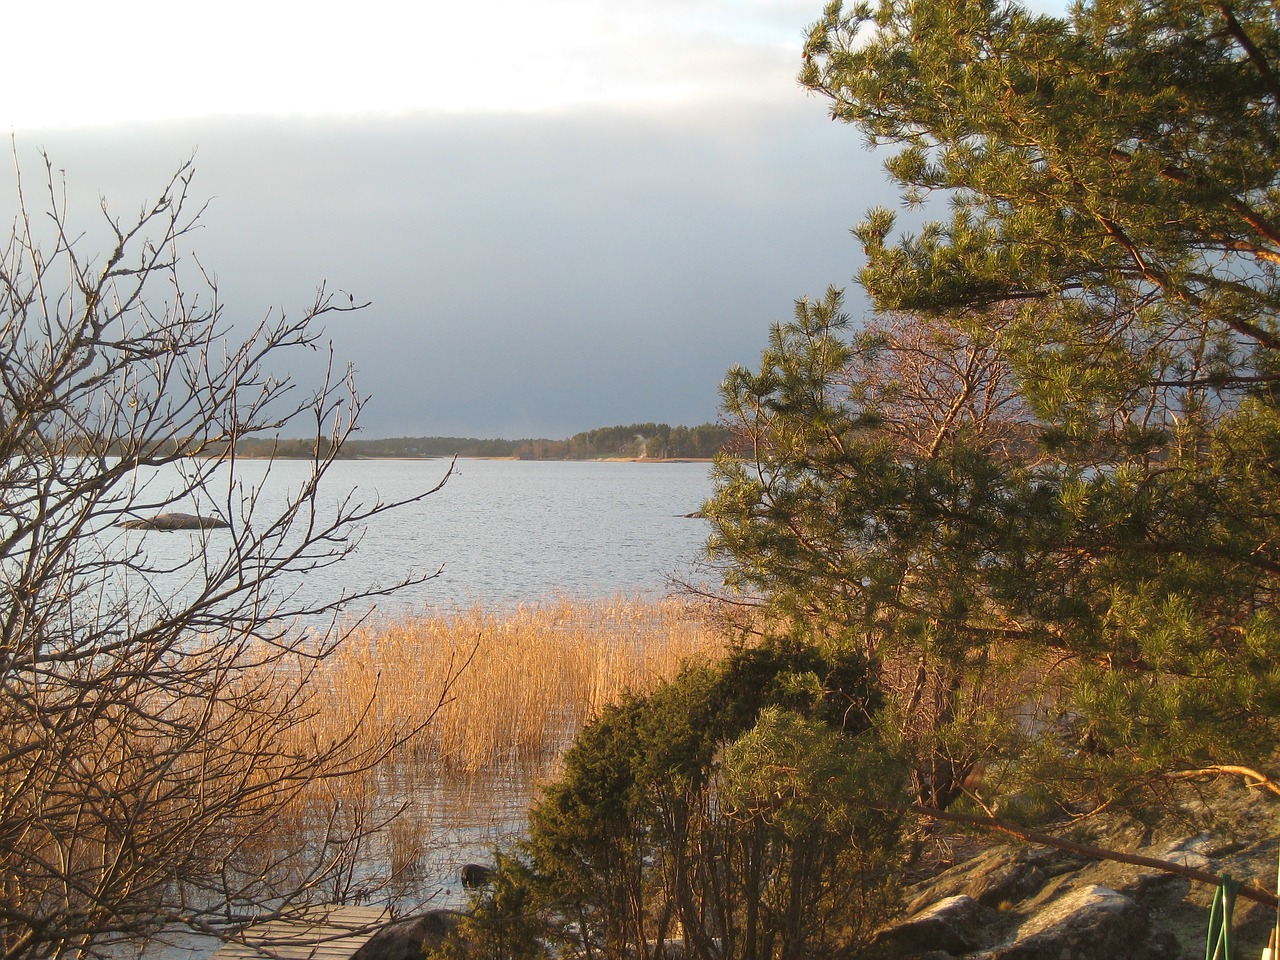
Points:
(1096, 488)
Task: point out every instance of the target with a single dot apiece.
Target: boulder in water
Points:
(174, 521)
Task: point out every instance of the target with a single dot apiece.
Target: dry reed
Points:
(489, 692)
(452, 719)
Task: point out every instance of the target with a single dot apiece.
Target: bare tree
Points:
(153, 711)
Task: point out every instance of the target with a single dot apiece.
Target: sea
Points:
(498, 533)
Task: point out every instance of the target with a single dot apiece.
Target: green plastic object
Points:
(1218, 943)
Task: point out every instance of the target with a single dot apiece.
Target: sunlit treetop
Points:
(1121, 161)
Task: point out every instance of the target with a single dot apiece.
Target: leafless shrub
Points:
(151, 709)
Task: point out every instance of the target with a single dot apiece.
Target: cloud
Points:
(567, 214)
(531, 275)
(80, 62)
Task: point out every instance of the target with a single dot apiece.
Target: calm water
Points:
(504, 531)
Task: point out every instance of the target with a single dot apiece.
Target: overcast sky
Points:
(566, 213)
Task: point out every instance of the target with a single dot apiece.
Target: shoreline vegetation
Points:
(506, 690)
(468, 714)
(636, 442)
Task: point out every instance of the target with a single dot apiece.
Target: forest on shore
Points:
(636, 441)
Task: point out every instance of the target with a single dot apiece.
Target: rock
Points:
(953, 926)
(1007, 883)
(1187, 852)
(1092, 923)
(408, 939)
(474, 875)
(174, 521)
(1059, 905)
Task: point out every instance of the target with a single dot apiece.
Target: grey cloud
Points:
(530, 275)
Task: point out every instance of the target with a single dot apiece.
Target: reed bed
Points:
(428, 735)
(502, 692)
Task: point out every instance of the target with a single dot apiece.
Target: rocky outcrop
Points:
(1092, 923)
(408, 939)
(174, 521)
(1001, 901)
(951, 927)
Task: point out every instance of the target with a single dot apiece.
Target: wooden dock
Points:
(325, 933)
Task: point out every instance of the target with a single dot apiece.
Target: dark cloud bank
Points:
(530, 275)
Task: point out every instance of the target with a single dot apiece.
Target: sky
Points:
(566, 214)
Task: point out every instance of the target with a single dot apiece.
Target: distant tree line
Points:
(392, 447)
(646, 441)
(654, 441)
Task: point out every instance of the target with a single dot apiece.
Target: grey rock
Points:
(1007, 883)
(1188, 851)
(408, 939)
(174, 521)
(1059, 905)
(954, 926)
(1092, 923)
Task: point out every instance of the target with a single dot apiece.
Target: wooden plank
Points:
(325, 933)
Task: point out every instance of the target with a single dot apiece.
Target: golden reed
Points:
(413, 730)
(502, 692)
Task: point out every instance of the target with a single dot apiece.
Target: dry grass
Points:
(365, 766)
(503, 692)
(437, 729)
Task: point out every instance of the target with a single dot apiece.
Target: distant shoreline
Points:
(633, 443)
(641, 460)
(462, 456)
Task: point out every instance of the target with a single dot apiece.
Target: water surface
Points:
(501, 532)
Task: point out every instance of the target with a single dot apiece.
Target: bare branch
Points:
(153, 713)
